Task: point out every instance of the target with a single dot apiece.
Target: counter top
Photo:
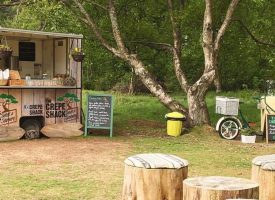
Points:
(38, 87)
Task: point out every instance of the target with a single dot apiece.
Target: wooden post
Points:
(154, 177)
(219, 188)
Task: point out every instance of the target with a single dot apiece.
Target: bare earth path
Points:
(62, 169)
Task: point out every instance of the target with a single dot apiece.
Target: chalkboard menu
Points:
(99, 113)
(270, 127)
(26, 51)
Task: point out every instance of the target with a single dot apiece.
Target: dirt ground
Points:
(55, 168)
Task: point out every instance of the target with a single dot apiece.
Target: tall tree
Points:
(197, 111)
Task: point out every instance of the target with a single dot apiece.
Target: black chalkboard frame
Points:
(87, 126)
(267, 130)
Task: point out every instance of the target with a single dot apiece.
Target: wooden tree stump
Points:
(257, 163)
(62, 130)
(218, 188)
(263, 172)
(8, 133)
(154, 177)
(267, 181)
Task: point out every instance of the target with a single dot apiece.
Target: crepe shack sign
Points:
(66, 107)
(99, 113)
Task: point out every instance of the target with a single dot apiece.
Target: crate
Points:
(227, 105)
(3, 82)
(17, 82)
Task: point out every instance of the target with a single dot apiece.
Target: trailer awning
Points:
(11, 32)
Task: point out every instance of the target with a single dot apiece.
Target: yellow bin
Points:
(174, 123)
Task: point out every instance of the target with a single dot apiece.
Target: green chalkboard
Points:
(270, 127)
(99, 112)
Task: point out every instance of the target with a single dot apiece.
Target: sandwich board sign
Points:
(270, 127)
(99, 113)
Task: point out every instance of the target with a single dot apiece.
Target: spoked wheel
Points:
(32, 128)
(229, 129)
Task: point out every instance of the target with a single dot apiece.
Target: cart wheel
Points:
(32, 128)
(229, 129)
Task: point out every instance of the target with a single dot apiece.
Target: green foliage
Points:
(70, 96)
(8, 98)
(241, 60)
(248, 132)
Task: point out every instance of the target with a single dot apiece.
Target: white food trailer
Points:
(44, 85)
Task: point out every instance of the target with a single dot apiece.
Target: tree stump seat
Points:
(263, 172)
(154, 176)
(218, 188)
(258, 162)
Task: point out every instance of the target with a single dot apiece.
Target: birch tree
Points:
(196, 112)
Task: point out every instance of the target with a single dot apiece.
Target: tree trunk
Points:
(153, 86)
(217, 82)
(198, 112)
(132, 83)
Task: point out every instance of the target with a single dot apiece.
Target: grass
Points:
(92, 168)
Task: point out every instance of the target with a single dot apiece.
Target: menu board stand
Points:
(270, 128)
(99, 113)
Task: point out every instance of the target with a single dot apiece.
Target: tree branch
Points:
(177, 48)
(225, 24)
(16, 3)
(258, 41)
(89, 21)
(207, 36)
(154, 45)
(11, 4)
(115, 27)
(99, 5)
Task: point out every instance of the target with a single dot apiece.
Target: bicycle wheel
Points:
(229, 129)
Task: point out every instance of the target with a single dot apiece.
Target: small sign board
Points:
(270, 128)
(99, 113)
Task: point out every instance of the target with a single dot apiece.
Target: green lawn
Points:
(92, 167)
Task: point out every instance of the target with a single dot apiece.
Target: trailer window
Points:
(26, 51)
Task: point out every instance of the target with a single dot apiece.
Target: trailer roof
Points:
(36, 34)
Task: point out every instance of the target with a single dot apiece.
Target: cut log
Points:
(219, 188)
(8, 133)
(267, 181)
(263, 172)
(257, 163)
(62, 130)
(154, 177)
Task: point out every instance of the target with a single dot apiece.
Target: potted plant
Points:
(248, 135)
(5, 50)
(78, 55)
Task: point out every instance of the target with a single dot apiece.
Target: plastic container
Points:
(174, 123)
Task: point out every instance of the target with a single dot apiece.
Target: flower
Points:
(77, 51)
(5, 48)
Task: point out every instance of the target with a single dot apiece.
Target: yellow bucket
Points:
(174, 123)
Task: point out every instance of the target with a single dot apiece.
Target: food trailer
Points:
(40, 81)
